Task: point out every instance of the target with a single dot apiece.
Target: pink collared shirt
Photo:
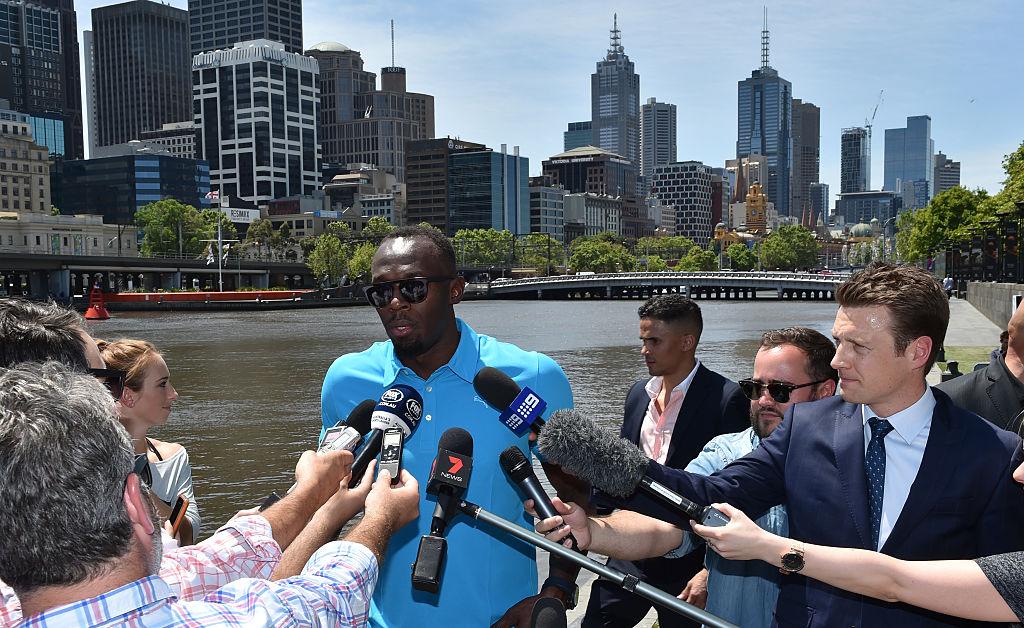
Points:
(243, 548)
(656, 431)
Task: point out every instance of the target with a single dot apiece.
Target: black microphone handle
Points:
(626, 581)
(444, 510)
(365, 455)
(541, 502)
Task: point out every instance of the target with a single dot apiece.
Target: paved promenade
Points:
(969, 334)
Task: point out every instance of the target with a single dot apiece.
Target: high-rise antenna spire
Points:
(615, 47)
(764, 42)
(393, 42)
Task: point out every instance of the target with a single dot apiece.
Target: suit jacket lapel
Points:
(937, 467)
(636, 410)
(848, 444)
(688, 412)
(993, 373)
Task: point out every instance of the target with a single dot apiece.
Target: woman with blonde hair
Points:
(144, 404)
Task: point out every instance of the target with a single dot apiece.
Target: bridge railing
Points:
(600, 277)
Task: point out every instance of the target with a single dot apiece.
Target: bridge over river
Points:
(697, 285)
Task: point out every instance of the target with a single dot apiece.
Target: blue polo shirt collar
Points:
(464, 363)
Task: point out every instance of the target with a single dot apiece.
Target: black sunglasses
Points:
(142, 469)
(412, 290)
(779, 392)
(112, 380)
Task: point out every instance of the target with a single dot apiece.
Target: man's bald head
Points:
(1016, 330)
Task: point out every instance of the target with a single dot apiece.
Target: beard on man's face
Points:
(764, 420)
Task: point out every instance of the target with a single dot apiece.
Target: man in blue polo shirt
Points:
(415, 289)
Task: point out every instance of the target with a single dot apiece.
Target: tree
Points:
(340, 230)
(54, 210)
(482, 247)
(789, 248)
(948, 216)
(698, 259)
(376, 228)
(328, 260)
(359, 263)
(540, 251)
(427, 225)
(655, 264)
(667, 247)
(600, 256)
(741, 256)
(281, 240)
(170, 227)
(259, 234)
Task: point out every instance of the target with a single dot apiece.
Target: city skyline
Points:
(490, 68)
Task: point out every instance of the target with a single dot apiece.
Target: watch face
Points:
(792, 561)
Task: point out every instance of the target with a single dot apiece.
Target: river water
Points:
(249, 382)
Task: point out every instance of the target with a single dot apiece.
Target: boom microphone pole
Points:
(626, 581)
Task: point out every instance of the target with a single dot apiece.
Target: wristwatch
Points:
(571, 590)
(793, 560)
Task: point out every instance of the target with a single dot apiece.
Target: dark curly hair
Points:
(674, 309)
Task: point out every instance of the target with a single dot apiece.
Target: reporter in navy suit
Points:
(892, 466)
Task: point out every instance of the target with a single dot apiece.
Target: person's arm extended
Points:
(952, 587)
(317, 476)
(324, 525)
(623, 534)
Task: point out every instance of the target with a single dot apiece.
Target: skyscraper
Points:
(489, 189)
(576, 135)
(219, 24)
(947, 173)
(361, 124)
(855, 160)
(657, 136)
(764, 126)
(142, 71)
(615, 101)
(252, 156)
(819, 200)
(806, 153)
(39, 72)
(910, 162)
(427, 165)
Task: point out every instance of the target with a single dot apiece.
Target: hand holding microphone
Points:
(518, 467)
(400, 407)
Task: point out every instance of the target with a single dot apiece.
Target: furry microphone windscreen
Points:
(592, 453)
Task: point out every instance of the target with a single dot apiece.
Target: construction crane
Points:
(869, 123)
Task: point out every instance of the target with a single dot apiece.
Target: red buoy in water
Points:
(97, 311)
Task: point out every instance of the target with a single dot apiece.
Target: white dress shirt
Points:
(904, 450)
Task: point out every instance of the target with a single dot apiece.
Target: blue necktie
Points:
(874, 467)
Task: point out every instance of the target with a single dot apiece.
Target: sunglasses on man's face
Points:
(112, 380)
(778, 391)
(412, 290)
(141, 468)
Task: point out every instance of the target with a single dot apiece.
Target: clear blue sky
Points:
(518, 72)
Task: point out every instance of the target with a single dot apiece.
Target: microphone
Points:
(548, 613)
(520, 408)
(345, 435)
(518, 467)
(612, 464)
(449, 478)
(400, 406)
(348, 434)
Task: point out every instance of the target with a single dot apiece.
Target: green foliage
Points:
(655, 264)
(953, 214)
(742, 258)
(54, 210)
(949, 215)
(539, 251)
(598, 255)
(328, 259)
(360, 261)
(376, 228)
(789, 248)
(698, 259)
(259, 234)
(482, 247)
(161, 223)
(340, 230)
(667, 247)
(427, 225)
